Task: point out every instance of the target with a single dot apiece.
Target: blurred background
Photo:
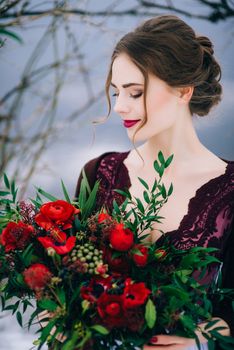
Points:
(54, 56)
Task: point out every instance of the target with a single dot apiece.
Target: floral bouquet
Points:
(94, 278)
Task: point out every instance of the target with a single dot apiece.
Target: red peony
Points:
(16, 236)
(121, 239)
(135, 294)
(102, 217)
(59, 213)
(61, 247)
(111, 311)
(37, 276)
(141, 260)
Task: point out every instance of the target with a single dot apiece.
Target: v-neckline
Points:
(192, 200)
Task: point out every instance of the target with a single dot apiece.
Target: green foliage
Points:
(100, 329)
(177, 301)
(47, 304)
(150, 314)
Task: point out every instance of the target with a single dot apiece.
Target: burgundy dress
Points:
(209, 221)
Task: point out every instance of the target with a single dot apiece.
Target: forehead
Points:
(125, 71)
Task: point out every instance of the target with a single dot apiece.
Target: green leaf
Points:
(124, 205)
(137, 251)
(13, 187)
(100, 329)
(116, 207)
(146, 197)
(82, 195)
(171, 290)
(161, 157)
(123, 193)
(47, 304)
(46, 330)
(6, 181)
(20, 280)
(158, 168)
(61, 295)
(210, 324)
(19, 318)
(168, 161)
(46, 194)
(85, 181)
(154, 186)
(4, 193)
(188, 322)
(163, 191)
(27, 255)
(143, 183)
(140, 205)
(14, 195)
(32, 317)
(65, 192)
(150, 314)
(170, 190)
(90, 203)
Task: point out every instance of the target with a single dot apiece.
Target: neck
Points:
(180, 140)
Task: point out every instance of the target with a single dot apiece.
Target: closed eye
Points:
(132, 96)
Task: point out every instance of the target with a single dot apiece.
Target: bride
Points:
(162, 74)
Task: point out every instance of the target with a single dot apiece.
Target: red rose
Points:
(135, 294)
(121, 238)
(37, 276)
(61, 247)
(102, 217)
(16, 236)
(59, 212)
(118, 264)
(110, 309)
(140, 260)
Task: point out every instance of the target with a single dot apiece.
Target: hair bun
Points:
(205, 43)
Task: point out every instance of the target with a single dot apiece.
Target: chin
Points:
(140, 136)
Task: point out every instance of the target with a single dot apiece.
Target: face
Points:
(161, 100)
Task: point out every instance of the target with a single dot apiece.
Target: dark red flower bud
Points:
(160, 254)
(141, 260)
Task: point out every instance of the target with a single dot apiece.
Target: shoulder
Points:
(229, 173)
(105, 159)
(104, 165)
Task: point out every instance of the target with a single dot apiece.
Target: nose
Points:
(121, 106)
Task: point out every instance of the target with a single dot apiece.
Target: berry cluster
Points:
(89, 256)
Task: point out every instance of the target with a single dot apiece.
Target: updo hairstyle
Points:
(169, 48)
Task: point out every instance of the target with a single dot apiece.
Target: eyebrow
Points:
(126, 85)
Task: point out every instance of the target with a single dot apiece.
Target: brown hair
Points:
(168, 47)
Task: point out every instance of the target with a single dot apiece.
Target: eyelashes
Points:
(132, 96)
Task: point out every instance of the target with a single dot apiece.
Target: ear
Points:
(185, 93)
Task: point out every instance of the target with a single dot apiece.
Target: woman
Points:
(163, 74)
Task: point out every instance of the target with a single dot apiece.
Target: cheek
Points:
(161, 108)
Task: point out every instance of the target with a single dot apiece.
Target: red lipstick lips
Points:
(130, 123)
